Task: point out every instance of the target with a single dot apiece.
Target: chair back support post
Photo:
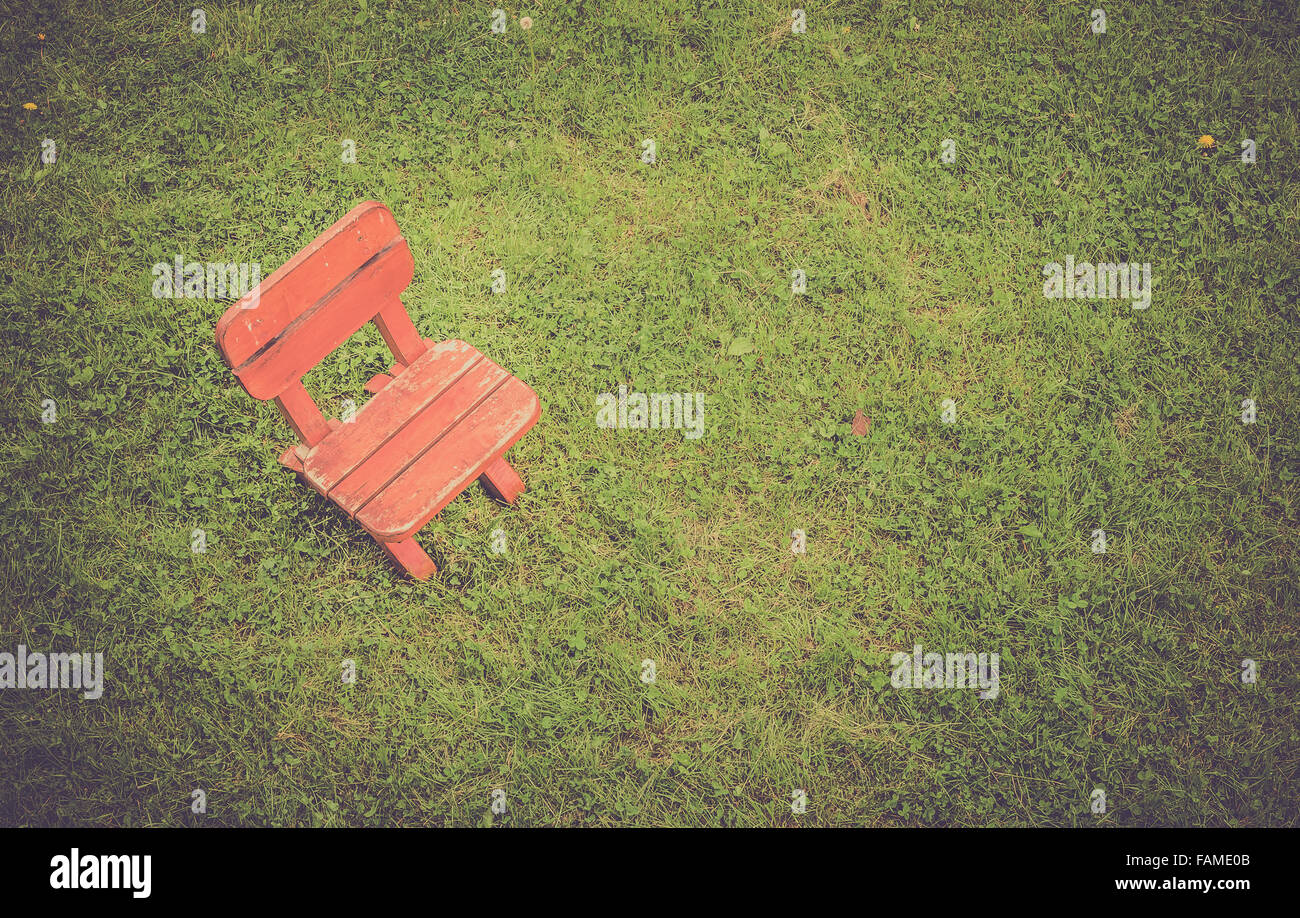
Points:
(300, 411)
(399, 332)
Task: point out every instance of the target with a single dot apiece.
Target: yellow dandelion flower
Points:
(30, 106)
(1206, 141)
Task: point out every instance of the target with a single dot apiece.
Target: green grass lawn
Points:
(775, 151)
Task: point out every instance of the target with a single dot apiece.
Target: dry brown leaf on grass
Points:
(838, 184)
(1123, 421)
(843, 185)
(861, 424)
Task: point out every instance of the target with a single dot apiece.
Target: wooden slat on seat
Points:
(353, 443)
(443, 471)
(467, 394)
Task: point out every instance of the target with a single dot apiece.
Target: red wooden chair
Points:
(442, 416)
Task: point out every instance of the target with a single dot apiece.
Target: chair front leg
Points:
(411, 557)
(501, 481)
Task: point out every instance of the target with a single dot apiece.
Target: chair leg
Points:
(411, 557)
(501, 481)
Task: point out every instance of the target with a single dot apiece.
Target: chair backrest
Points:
(349, 275)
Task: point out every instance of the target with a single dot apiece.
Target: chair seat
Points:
(421, 440)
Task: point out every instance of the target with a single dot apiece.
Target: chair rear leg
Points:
(412, 558)
(501, 481)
